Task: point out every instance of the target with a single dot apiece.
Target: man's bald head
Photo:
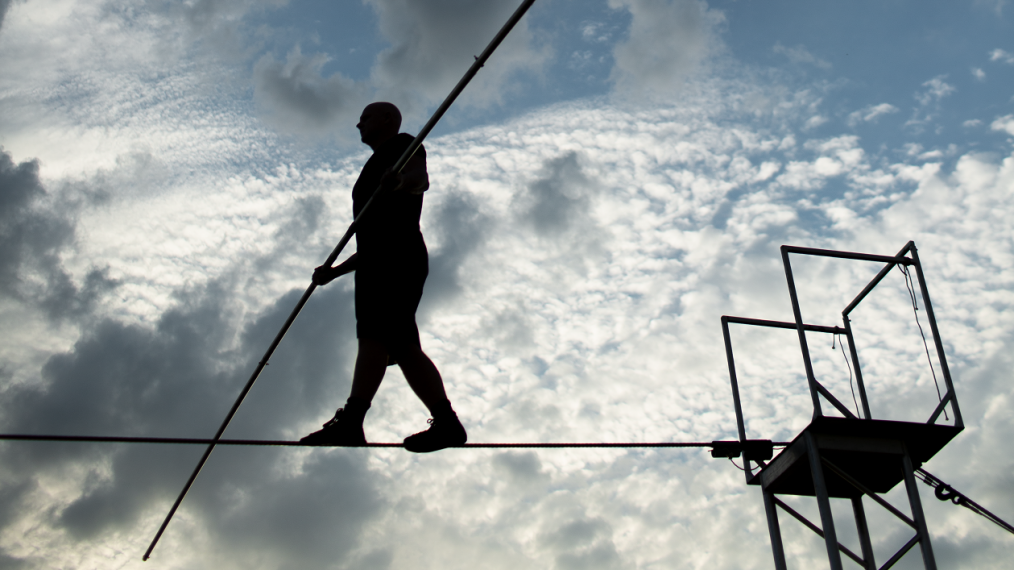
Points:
(386, 110)
(379, 122)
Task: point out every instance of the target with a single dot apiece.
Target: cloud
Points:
(814, 122)
(870, 113)
(217, 25)
(4, 6)
(594, 32)
(296, 98)
(560, 199)
(34, 232)
(1005, 123)
(667, 42)
(460, 228)
(800, 54)
(936, 89)
(1001, 56)
(180, 370)
(182, 374)
(979, 74)
(434, 44)
(929, 101)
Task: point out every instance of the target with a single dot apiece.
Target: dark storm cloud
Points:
(584, 544)
(559, 200)
(4, 6)
(179, 378)
(521, 468)
(25, 234)
(667, 41)
(434, 42)
(33, 233)
(433, 45)
(296, 98)
(312, 520)
(122, 380)
(461, 229)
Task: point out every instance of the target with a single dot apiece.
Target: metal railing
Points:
(907, 257)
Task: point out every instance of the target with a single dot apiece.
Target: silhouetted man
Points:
(391, 264)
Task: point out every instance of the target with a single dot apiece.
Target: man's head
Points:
(378, 123)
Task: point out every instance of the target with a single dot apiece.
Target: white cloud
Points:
(1005, 123)
(912, 149)
(936, 89)
(800, 54)
(971, 123)
(978, 73)
(667, 41)
(814, 122)
(929, 100)
(870, 113)
(1001, 56)
(595, 32)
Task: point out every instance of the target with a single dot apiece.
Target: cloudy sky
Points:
(618, 176)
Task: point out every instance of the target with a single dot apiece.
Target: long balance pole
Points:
(398, 166)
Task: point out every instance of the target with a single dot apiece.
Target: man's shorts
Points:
(386, 300)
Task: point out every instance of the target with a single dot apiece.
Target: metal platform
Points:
(872, 450)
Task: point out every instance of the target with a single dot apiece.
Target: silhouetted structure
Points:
(850, 456)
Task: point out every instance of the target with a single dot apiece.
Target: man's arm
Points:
(324, 275)
(413, 178)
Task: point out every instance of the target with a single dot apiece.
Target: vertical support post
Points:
(917, 514)
(735, 392)
(958, 422)
(864, 533)
(811, 379)
(774, 530)
(855, 365)
(823, 502)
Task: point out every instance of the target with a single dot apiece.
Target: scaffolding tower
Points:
(851, 455)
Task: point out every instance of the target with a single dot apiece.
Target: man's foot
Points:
(445, 431)
(341, 430)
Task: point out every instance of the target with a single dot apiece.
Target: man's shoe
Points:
(444, 432)
(341, 430)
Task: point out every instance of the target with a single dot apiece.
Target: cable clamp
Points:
(751, 449)
(947, 493)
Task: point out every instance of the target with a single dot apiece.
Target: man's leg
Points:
(371, 364)
(346, 428)
(424, 378)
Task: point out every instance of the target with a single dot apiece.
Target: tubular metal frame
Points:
(811, 442)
